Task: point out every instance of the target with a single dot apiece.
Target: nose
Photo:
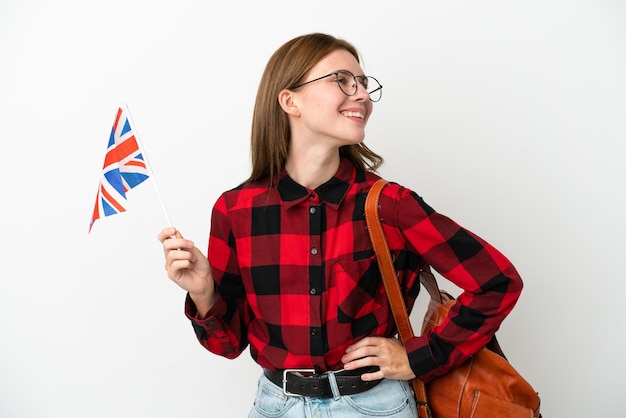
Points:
(361, 91)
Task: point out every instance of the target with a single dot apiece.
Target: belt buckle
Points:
(285, 371)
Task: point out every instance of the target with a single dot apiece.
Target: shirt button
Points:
(314, 332)
(313, 291)
(314, 251)
(312, 210)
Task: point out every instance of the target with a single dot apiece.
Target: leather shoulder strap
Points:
(392, 287)
(385, 263)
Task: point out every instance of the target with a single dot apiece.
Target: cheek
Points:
(370, 110)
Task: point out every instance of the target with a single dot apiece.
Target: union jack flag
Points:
(124, 168)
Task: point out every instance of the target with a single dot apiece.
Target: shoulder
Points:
(391, 190)
(245, 193)
(397, 200)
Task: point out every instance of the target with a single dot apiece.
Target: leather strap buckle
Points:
(286, 372)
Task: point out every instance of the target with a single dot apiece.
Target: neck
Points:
(312, 170)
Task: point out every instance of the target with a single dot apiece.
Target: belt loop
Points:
(333, 385)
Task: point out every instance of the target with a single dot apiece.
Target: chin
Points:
(357, 140)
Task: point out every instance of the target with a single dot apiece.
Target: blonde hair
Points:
(270, 126)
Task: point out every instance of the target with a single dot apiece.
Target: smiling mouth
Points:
(354, 115)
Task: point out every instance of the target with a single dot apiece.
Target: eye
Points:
(343, 80)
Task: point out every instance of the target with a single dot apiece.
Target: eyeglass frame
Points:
(357, 80)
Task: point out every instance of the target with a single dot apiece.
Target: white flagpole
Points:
(145, 157)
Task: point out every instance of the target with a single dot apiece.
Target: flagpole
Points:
(145, 157)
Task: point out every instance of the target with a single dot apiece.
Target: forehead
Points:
(339, 59)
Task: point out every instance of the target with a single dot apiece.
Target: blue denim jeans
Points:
(390, 398)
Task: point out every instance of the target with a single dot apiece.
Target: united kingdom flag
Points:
(124, 168)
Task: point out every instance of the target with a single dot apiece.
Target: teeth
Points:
(354, 114)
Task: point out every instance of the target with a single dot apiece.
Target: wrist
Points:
(203, 302)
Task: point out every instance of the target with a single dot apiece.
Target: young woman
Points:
(291, 272)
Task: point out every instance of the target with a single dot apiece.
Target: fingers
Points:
(368, 377)
(363, 347)
(361, 354)
(387, 353)
(167, 233)
(179, 259)
(178, 251)
(171, 239)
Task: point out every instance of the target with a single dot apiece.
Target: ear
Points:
(287, 101)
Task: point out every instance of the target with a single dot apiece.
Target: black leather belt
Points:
(295, 383)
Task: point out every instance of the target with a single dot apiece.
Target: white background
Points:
(510, 117)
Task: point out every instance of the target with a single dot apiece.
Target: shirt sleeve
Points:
(490, 283)
(223, 331)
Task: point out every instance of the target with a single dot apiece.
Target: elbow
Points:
(517, 284)
(513, 291)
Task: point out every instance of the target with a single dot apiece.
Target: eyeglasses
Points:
(347, 82)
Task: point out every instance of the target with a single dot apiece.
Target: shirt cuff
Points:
(421, 359)
(209, 322)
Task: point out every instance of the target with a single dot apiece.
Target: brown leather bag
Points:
(486, 386)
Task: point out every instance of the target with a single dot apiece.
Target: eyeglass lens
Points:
(348, 84)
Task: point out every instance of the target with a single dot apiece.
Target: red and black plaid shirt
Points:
(298, 282)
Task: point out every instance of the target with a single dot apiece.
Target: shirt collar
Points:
(331, 193)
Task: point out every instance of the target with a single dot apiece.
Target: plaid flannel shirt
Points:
(298, 282)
